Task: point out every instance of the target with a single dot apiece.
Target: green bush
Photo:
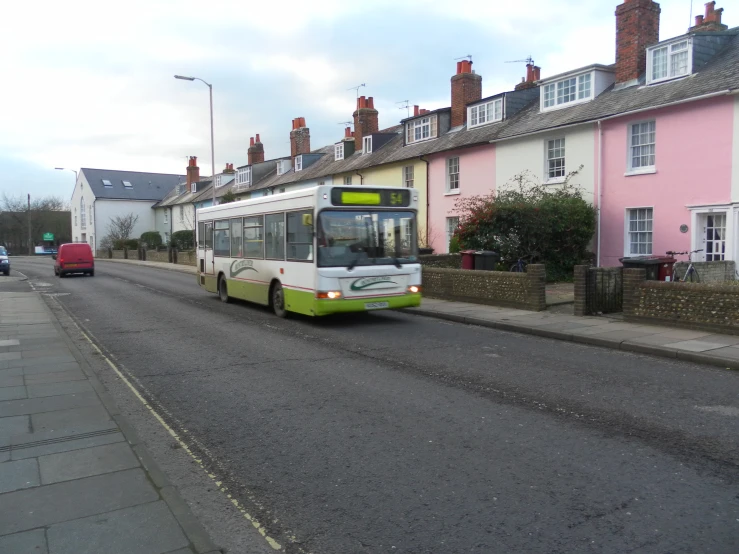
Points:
(131, 244)
(152, 239)
(454, 247)
(183, 240)
(525, 219)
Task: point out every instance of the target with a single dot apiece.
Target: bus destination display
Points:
(371, 197)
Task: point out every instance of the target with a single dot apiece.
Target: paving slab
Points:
(46, 367)
(730, 352)
(28, 542)
(17, 475)
(15, 425)
(29, 406)
(86, 462)
(146, 529)
(694, 345)
(43, 351)
(14, 381)
(12, 393)
(10, 355)
(652, 340)
(69, 418)
(681, 334)
(50, 504)
(23, 452)
(10, 342)
(59, 359)
(607, 328)
(57, 389)
(55, 377)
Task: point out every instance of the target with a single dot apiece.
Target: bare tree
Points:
(49, 214)
(121, 227)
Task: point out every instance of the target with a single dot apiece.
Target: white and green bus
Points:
(315, 251)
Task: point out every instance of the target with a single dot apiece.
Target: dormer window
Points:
(243, 176)
(669, 61)
(483, 114)
(194, 187)
(283, 166)
(127, 184)
(367, 145)
(298, 163)
(423, 128)
(339, 151)
(572, 90)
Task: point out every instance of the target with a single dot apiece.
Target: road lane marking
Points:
(272, 542)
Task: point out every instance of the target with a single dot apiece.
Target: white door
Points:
(209, 261)
(714, 237)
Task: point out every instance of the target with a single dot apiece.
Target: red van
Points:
(75, 257)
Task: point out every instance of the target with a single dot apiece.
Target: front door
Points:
(714, 237)
(209, 268)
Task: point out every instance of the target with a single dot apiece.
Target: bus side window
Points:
(300, 236)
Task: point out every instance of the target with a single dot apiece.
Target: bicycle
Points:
(691, 274)
(519, 266)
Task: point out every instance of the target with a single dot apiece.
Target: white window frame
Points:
(547, 177)
(243, 176)
(409, 173)
(484, 114)
(280, 167)
(697, 232)
(451, 225)
(452, 179)
(367, 145)
(670, 54)
(420, 123)
(627, 231)
(639, 170)
(218, 181)
(194, 187)
(83, 219)
(127, 184)
(348, 180)
(166, 215)
(299, 163)
(339, 151)
(182, 213)
(555, 91)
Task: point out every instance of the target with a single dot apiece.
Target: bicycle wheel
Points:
(692, 276)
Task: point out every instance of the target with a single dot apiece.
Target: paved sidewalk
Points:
(610, 332)
(70, 480)
(694, 346)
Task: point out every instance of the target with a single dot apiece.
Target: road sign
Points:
(48, 236)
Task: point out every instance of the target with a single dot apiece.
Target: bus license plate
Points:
(375, 305)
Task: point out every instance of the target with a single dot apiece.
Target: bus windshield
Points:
(351, 238)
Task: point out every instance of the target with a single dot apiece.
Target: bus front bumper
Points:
(344, 305)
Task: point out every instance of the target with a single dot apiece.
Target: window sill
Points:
(641, 171)
(557, 181)
(452, 192)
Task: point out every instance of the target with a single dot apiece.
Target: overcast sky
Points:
(89, 85)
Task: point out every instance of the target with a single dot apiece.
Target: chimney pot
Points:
(251, 141)
(711, 21)
(415, 111)
(365, 120)
(258, 140)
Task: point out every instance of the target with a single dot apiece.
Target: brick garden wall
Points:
(709, 272)
(702, 306)
(525, 291)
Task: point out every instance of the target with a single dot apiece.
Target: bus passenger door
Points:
(209, 268)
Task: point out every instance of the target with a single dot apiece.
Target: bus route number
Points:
(396, 198)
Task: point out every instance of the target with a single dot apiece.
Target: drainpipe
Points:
(361, 177)
(600, 185)
(428, 196)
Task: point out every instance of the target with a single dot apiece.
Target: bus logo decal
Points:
(367, 282)
(239, 266)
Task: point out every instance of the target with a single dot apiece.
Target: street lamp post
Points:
(67, 169)
(212, 146)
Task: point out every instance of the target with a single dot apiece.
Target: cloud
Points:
(92, 82)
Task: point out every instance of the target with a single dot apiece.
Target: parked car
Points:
(4, 261)
(74, 257)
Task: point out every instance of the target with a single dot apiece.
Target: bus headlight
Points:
(331, 295)
(414, 289)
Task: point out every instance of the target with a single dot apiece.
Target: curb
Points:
(190, 525)
(590, 340)
(175, 267)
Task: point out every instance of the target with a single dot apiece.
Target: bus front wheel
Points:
(278, 300)
(223, 290)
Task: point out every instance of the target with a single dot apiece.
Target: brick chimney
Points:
(419, 111)
(256, 151)
(193, 172)
(533, 74)
(637, 26)
(229, 169)
(466, 88)
(366, 120)
(299, 138)
(711, 21)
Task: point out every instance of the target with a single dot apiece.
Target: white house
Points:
(102, 194)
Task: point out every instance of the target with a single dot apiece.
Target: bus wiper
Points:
(397, 263)
(353, 263)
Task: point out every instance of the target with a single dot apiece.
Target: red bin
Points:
(665, 269)
(468, 259)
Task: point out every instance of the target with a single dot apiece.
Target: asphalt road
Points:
(390, 432)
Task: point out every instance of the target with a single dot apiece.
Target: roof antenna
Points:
(690, 21)
(406, 106)
(529, 61)
(468, 56)
(357, 88)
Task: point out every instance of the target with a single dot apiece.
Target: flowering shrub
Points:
(550, 224)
